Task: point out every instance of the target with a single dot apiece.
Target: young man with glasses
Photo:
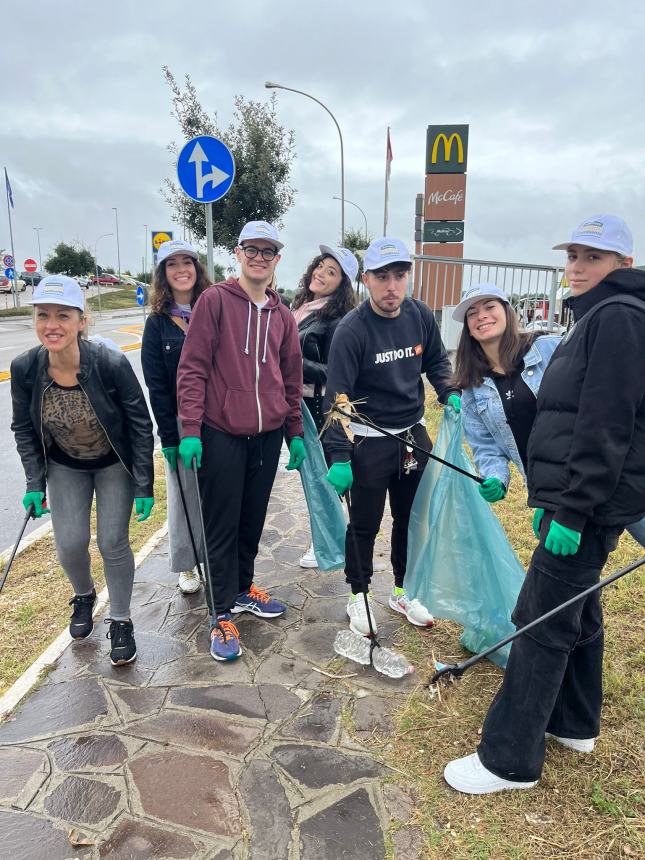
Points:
(239, 387)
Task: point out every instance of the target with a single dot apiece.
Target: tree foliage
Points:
(357, 242)
(70, 260)
(263, 152)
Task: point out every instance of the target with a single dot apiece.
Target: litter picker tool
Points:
(367, 422)
(211, 599)
(193, 543)
(29, 515)
(456, 670)
(367, 650)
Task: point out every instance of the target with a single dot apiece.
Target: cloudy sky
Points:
(552, 92)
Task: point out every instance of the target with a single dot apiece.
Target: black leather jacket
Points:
(315, 341)
(161, 349)
(115, 395)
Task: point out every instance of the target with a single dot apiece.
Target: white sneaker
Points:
(414, 610)
(470, 776)
(189, 581)
(378, 566)
(309, 558)
(358, 615)
(585, 745)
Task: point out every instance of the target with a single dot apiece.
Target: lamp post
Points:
(145, 264)
(96, 263)
(359, 209)
(118, 250)
(271, 85)
(40, 256)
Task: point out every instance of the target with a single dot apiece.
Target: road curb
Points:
(30, 677)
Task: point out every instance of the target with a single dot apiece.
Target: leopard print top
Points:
(70, 423)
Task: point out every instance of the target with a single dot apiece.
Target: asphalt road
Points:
(16, 338)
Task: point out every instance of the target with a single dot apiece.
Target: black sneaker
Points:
(81, 624)
(124, 648)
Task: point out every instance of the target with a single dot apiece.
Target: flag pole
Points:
(13, 253)
(388, 159)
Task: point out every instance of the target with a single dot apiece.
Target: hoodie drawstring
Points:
(248, 331)
(266, 337)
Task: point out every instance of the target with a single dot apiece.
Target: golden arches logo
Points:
(447, 147)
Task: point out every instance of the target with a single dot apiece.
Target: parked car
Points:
(544, 326)
(6, 285)
(107, 279)
(126, 279)
(83, 281)
(32, 279)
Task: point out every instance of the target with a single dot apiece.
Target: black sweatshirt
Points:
(381, 359)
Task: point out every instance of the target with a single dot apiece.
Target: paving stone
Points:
(318, 723)
(155, 651)
(147, 592)
(372, 713)
(346, 830)
(271, 822)
(201, 669)
(180, 602)
(84, 801)
(329, 584)
(331, 610)
(87, 751)
(282, 522)
(21, 771)
(264, 565)
(315, 642)
(288, 554)
(262, 701)
(293, 595)
(183, 626)
(201, 796)
(132, 674)
(155, 569)
(139, 701)
(270, 537)
(317, 767)
(54, 708)
(409, 843)
(399, 801)
(22, 831)
(136, 840)
(289, 671)
(278, 701)
(149, 618)
(199, 731)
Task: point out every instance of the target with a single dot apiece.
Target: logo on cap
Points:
(261, 228)
(56, 288)
(388, 249)
(593, 228)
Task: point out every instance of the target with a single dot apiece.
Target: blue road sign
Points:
(141, 296)
(8, 261)
(205, 168)
(8, 273)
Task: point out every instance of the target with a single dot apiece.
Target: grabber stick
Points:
(201, 522)
(456, 670)
(193, 543)
(30, 513)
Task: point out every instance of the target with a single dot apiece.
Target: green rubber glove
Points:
(340, 477)
(190, 448)
(562, 540)
(171, 456)
(454, 403)
(493, 490)
(143, 506)
(35, 499)
(537, 521)
(297, 452)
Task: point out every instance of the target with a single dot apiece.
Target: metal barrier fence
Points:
(533, 290)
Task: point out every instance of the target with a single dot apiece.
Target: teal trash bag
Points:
(460, 563)
(325, 510)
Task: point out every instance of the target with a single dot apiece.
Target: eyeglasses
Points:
(250, 251)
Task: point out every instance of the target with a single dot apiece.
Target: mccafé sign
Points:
(446, 148)
(445, 197)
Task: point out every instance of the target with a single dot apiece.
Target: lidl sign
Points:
(446, 148)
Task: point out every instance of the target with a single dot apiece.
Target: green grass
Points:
(114, 300)
(16, 312)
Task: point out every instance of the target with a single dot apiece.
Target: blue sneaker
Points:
(225, 639)
(259, 603)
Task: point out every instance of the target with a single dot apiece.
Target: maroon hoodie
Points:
(241, 368)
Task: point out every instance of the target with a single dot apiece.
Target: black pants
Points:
(553, 680)
(377, 466)
(235, 481)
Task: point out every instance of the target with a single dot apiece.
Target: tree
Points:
(263, 152)
(357, 242)
(218, 270)
(70, 260)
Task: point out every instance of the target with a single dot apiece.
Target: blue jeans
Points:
(637, 531)
(70, 493)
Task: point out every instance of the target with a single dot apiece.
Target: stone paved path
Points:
(178, 756)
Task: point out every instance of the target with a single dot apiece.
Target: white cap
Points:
(345, 259)
(476, 293)
(384, 252)
(260, 230)
(604, 232)
(175, 246)
(58, 290)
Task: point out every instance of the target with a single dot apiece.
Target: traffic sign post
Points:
(9, 273)
(206, 170)
(8, 261)
(141, 301)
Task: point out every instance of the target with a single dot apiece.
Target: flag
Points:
(388, 155)
(9, 194)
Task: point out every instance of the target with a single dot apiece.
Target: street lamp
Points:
(96, 263)
(118, 250)
(271, 85)
(359, 209)
(40, 256)
(145, 264)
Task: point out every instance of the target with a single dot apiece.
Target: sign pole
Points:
(14, 289)
(209, 240)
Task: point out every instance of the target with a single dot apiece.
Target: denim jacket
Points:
(485, 426)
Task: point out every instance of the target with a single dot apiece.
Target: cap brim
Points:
(390, 262)
(185, 253)
(598, 246)
(459, 313)
(279, 245)
(55, 301)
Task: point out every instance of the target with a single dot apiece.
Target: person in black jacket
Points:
(178, 282)
(379, 353)
(83, 430)
(586, 479)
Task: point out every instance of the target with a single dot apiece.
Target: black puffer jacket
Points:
(315, 342)
(586, 452)
(115, 395)
(160, 353)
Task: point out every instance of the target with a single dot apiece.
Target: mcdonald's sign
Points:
(446, 148)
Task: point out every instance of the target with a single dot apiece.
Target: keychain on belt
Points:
(410, 463)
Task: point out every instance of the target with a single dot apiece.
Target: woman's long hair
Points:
(471, 364)
(161, 297)
(340, 302)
